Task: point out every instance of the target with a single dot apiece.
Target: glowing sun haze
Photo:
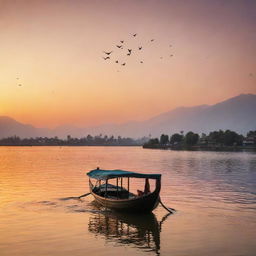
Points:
(54, 50)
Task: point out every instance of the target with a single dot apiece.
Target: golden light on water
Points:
(215, 211)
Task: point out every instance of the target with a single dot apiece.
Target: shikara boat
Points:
(119, 198)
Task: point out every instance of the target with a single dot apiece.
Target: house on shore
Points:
(249, 141)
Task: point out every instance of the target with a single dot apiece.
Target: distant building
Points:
(203, 141)
(249, 141)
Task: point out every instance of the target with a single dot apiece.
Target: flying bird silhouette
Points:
(121, 46)
(108, 53)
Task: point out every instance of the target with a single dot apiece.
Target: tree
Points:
(191, 138)
(251, 134)
(176, 138)
(227, 138)
(153, 141)
(217, 137)
(232, 138)
(164, 139)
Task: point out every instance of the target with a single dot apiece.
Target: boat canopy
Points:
(111, 174)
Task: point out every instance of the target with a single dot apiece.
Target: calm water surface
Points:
(214, 194)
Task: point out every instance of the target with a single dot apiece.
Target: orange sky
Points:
(55, 49)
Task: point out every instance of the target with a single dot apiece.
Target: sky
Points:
(52, 70)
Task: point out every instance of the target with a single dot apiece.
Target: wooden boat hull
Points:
(141, 204)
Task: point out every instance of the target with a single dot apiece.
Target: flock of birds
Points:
(108, 54)
(128, 52)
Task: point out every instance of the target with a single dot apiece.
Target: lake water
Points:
(214, 194)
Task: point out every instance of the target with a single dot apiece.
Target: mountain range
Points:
(237, 114)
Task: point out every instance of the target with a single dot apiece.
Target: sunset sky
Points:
(54, 50)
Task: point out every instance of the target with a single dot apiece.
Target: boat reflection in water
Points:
(139, 231)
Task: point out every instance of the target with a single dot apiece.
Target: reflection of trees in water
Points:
(140, 231)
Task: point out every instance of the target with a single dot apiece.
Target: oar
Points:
(84, 195)
(75, 197)
(171, 210)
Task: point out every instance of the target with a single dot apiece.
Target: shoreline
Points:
(70, 145)
(160, 147)
(203, 148)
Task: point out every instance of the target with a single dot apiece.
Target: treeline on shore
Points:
(89, 140)
(215, 139)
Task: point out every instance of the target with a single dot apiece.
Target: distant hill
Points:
(10, 127)
(236, 114)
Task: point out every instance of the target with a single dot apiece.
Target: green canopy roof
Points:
(111, 174)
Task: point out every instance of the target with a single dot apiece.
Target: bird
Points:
(108, 53)
(122, 41)
(171, 55)
(141, 61)
(152, 40)
(134, 35)
(105, 58)
(130, 51)
(20, 85)
(123, 64)
(140, 47)
(128, 54)
(119, 46)
(116, 61)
